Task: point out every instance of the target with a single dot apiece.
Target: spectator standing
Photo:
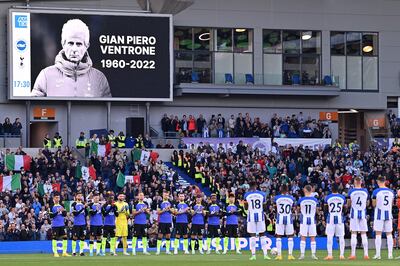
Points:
(7, 127)
(16, 127)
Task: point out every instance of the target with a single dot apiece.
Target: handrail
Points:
(153, 132)
(82, 158)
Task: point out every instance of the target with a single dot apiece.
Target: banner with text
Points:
(90, 55)
(264, 145)
(314, 144)
(32, 247)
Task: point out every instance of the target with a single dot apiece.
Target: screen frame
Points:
(85, 12)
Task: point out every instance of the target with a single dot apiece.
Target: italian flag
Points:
(10, 182)
(100, 150)
(123, 179)
(15, 162)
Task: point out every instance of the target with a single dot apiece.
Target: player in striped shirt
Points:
(255, 204)
(284, 221)
(357, 201)
(334, 205)
(308, 207)
(382, 201)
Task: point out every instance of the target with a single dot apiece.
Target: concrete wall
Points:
(382, 16)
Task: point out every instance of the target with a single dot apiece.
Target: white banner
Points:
(315, 144)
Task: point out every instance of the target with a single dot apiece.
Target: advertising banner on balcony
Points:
(264, 145)
(313, 144)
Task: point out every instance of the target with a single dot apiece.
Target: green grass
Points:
(183, 260)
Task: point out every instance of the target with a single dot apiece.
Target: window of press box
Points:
(206, 55)
(354, 60)
(291, 57)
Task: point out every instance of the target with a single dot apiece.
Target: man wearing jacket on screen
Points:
(73, 74)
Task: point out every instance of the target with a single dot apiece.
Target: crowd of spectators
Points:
(24, 216)
(394, 124)
(24, 212)
(225, 168)
(10, 129)
(294, 126)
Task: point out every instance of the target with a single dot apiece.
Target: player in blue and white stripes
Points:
(284, 221)
(382, 201)
(255, 203)
(308, 206)
(334, 205)
(357, 201)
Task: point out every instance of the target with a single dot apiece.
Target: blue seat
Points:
(296, 79)
(228, 78)
(328, 80)
(195, 77)
(249, 79)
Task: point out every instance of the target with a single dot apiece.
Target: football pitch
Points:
(189, 260)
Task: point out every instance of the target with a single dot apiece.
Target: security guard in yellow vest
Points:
(47, 141)
(57, 141)
(139, 142)
(120, 140)
(80, 142)
(111, 138)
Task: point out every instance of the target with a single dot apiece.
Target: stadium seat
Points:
(228, 78)
(249, 79)
(296, 79)
(328, 80)
(195, 77)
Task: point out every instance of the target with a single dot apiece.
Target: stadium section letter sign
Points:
(89, 55)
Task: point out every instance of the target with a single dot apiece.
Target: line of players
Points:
(334, 205)
(109, 221)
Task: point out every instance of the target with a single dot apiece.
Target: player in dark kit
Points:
(181, 213)
(164, 223)
(140, 212)
(57, 214)
(109, 211)
(231, 223)
(198, 213)
(214, 224)
(79, 212)
(96, 225)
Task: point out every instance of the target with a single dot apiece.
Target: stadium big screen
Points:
(79, 55)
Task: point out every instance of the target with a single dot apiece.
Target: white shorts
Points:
(284, 229)
(358, 225)
(308, 230)
(334, 229)
(256, 227)
(383, 226)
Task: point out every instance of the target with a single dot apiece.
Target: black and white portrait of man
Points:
(72, 74)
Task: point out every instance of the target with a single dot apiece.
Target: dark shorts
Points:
(164, 228)
(58, 232)
(109, 230)
(214, 231)
(182, 229)
(197, 230)
(79, 231)
(140, 230)
(96, 230)
(231, 230)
